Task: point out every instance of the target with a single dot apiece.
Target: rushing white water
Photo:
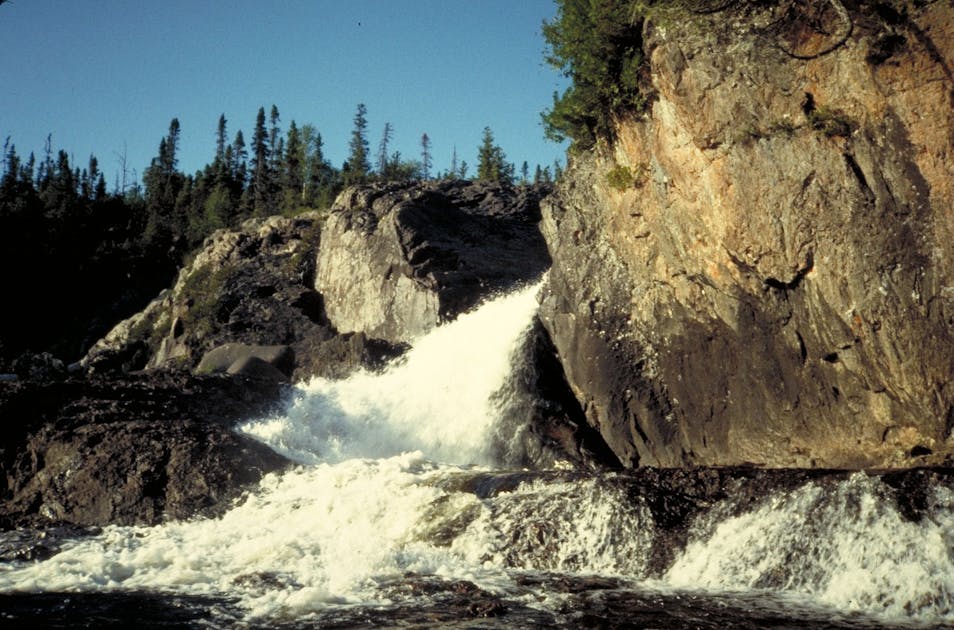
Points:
(436, 400)
(372, 502)
(394, 479)
(846, 546)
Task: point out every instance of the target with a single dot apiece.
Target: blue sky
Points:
(107, 74)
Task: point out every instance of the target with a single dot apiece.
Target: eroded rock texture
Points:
(129, 449)
(397, 259)
(775, 284)
(250, 286)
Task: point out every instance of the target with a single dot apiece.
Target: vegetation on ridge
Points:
(598, 45)
(86, 256)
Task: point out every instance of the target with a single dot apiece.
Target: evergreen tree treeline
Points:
(87, 257)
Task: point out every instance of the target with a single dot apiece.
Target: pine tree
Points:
(382, 161)
(425, 157)
(293, 174)
(525, 173)
(357, 166)
(492, 165)
(258, 189)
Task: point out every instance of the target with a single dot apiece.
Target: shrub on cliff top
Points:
(598, 45)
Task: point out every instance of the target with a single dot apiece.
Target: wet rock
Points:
(131, 449)
(399, 258)
(776, 285)
(225, 357)
(541, 424)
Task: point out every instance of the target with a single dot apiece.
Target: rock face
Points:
(251, 286)
(775, 283)
(397, 259)
(135, 449)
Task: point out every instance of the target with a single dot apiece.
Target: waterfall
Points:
(396, 478)
(437, 400)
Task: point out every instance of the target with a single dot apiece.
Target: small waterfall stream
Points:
(396, 509)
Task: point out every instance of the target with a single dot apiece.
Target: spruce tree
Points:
(425, 157)
(453, 165)
(293, 173)
(258, 189)
(238, 165)
(383, 163)
(357, 166)
(163, 183)
(220, 141)
(492, 165)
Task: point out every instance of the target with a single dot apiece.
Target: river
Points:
(402, 514)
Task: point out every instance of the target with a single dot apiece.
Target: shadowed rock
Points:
(246, 289)
(130, 449)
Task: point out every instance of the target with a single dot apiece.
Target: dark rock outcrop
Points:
(776, 285)
(397, 259)
(251, 286)
(129, 449)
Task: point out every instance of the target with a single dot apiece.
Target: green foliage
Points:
(598, 45)
(492, 165)
(202, 291)
(357, 167)
(620, 178)
(109, 253)
(624, 178)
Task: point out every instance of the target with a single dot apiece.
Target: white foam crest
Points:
(310, 537)
(847, 547)
(580, 526)
(436, 400)
(332, 534)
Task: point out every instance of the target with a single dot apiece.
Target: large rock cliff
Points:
(760, 268)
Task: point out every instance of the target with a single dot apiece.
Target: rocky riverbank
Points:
(140, 430)
(129, 449)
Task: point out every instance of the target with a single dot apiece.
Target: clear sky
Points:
(101, 75)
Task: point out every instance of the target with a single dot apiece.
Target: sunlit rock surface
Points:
(776, 283)
(397, 259)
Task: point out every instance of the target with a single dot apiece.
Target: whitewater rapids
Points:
(389, 485)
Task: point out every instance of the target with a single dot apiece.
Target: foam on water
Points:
(371, 504)
(437, 399)
(847, 547)
(387, 487)
(329, 534)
